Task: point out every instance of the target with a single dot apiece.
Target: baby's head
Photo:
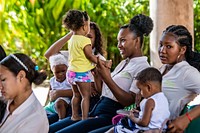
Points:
(59, 66)
(76, 20)
(149, 81)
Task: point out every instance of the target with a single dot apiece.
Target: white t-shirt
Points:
(160, 112)
(180, 85)
(28, 117)
(65, 85)
(55, 85)
(124, 79)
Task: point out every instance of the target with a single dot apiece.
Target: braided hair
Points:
(184, 38)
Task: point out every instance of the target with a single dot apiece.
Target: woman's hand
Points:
(102, 70)
(94, 92)
(108, 63)
(179, 124)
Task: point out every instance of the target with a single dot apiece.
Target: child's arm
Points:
(57, 46)
(144, 121)
(88, 54)
(64, 93)
(54, 94)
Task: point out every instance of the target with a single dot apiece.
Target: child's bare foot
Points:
(76, 118)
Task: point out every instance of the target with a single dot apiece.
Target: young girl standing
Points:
(81, 61)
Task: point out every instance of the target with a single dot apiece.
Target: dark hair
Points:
(2, 53)
(98, 43)
(141, 25)
(184, 38)
(2, 109)
(74, 19)
(14, 65)
(149, 74)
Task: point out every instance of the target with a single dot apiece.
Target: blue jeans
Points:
(52, 118)
(105, 109)
(102, 130)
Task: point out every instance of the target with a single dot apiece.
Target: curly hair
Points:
(74, 19)
(98, 43)
(141, 25)
(184, 38)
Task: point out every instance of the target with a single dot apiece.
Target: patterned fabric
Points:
(74, 77)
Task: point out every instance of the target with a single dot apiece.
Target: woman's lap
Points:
(85, 126)
(60, 124)
(105, 110)
(52, 118)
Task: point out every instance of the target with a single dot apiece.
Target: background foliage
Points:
(31, 26)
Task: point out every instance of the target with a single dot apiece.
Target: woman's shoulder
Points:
(138, 64)
(184, 66)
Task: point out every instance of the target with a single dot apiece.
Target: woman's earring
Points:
(178, 57)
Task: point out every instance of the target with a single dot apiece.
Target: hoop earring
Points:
(178, 57)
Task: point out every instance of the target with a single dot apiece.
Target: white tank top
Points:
(160, 112)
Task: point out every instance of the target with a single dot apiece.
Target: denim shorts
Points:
(74, 77)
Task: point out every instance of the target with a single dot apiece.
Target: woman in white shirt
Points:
(24, 113)
(181, 68)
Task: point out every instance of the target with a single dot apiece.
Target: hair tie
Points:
(36, 68)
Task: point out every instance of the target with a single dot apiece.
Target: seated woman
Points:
(24, 113)
(116, 86)
(180, 70)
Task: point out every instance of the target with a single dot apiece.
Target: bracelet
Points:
(188, 116)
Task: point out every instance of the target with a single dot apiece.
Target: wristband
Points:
(188, 116)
